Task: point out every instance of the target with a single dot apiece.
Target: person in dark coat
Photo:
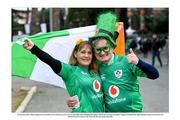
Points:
(156, 49)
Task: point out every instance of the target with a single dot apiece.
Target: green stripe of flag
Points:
(23, 61)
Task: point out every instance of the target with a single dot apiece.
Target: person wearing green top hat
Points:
(119, 74)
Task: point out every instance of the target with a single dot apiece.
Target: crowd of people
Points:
(148, 43)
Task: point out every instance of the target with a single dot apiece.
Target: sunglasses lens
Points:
(106, 49)
(98, 51)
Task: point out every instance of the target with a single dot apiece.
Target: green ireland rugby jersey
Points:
(86, 85)
(120, 85)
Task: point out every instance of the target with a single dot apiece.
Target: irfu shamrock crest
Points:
(118, 73)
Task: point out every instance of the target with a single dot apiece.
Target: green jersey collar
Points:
(109, 63)
(83, 68)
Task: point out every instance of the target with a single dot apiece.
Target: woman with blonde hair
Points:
(80, 75)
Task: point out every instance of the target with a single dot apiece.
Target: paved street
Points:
(155, 93)
(47, 99)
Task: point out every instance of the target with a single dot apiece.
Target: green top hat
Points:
(105, 27)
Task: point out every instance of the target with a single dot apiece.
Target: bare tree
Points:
(43, 16)
(35, 21)
(56, 19)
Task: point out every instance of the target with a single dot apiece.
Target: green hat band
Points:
(106, 32)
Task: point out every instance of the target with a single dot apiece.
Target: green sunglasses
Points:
(105, 49)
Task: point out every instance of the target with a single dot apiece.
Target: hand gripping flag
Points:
(58, 44)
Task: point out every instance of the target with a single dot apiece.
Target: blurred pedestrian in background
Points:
(156, 49)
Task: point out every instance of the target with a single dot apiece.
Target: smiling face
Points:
(84, 56)
(103, 51)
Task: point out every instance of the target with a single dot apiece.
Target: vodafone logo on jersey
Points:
(113, 91)
(96, 85)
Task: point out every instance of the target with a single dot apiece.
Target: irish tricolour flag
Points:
(58, 44)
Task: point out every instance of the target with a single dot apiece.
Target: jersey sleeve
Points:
(150, 70)
(60, 68)
(46, 58)
(135, 70)
(66, 71)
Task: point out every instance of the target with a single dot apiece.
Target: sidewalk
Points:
(155, 93)
(48, 98)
